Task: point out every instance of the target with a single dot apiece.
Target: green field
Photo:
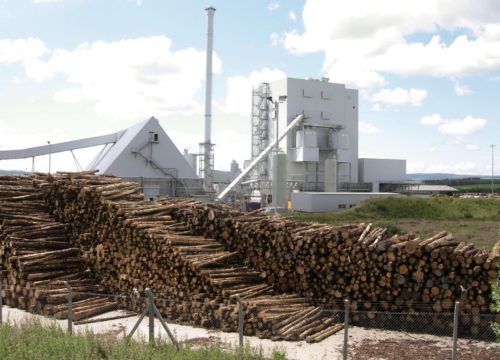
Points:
(471, 220)
(479, 188)
(33, 341)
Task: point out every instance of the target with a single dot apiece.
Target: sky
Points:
(427, 71)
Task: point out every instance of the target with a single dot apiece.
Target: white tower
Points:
(207, 148)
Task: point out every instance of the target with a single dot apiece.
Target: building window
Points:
(307, 92)
(342, 206)
(352, 205)
(326, 95)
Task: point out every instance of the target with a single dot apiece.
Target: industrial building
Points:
(317, 155)
(329, 131)
(338, 201)
(304, 148)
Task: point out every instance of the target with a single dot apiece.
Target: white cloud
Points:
(415, 167)
(21, 50)
(465, 126)
(272, 6)
(239, 89)
(276, 39)
(228, 145)
(399, 97)
(376, 108)
(472, 147)
(292, 16)
(367, 128)
(458, 140)
(363, 39)
(461, 89)
(462, 127)
(131, 78)
(434, 119)
(464, 167)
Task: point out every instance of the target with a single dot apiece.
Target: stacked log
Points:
(37, 259)
(376, 271)
(292, 276)
(131, 244)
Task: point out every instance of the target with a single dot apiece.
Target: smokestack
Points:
(208, 92)
(208, 159)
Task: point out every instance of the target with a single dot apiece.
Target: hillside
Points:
(11, 172)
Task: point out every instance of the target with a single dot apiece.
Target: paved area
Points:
(330, 348)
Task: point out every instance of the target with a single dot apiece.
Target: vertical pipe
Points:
(276, 151)
(1, 301)
(346, 328)
(241, 318)
(208, 90)
(151, 313)
(33, 164)
(240, 321)
(207, 152)
(455, 331)
(492, 170)
(50, 154)
(70, 309)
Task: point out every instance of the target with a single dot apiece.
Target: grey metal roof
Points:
(432, 188)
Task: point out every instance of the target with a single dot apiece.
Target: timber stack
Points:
(291, 275)
(131, 244)
(375, 270)
(37, 261)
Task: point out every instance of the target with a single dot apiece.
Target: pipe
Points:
(259, 158)
(208, 91)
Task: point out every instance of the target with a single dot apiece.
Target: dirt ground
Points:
(392, 349)
(363, 343)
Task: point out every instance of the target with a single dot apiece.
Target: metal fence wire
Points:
(455, 331)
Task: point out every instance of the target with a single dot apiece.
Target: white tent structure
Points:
(143, 153)
(144, 150)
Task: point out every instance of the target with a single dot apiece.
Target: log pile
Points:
(363, 263)
(292, 276)
(131, 244)
(37, 259)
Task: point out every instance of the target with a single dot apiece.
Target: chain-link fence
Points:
(361, 330)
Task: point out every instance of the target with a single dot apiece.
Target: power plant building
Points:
(329, 131)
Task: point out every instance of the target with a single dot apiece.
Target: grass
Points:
(480, 188)
(471, 220)
(34, 341)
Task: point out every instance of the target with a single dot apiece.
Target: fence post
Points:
(1, 301)
(240, 318)
(70, 309)
(346, 328)
(151, 313)
(455, 331)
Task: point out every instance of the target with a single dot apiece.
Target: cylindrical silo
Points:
(331, 175)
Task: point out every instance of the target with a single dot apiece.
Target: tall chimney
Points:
(208, 92)
(207, 145)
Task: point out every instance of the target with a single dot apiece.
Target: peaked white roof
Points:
(131, 156)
